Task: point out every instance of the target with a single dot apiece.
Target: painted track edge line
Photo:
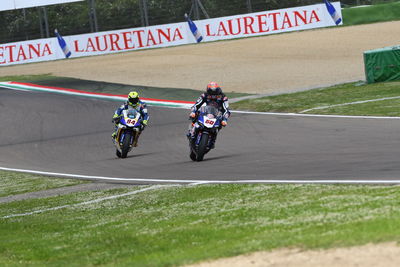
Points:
(199, 182)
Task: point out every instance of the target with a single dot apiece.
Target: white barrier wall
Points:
(246, 25)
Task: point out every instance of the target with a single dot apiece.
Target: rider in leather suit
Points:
(133, 102)
(215, 97)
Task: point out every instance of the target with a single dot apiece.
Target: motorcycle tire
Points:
(192, 155)
(202, 148)
(119, 155)
(126, 145)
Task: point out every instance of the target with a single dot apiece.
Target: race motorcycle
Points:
(206, 128)
(128, 131)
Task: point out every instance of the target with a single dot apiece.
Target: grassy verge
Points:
(15, 183)
(340, 94)
(371, 14)
(113, 88)
(174, 226)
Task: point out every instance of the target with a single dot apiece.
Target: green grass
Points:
(15, 183)
(180, 225)
(114, 88)
(340, 94)
(371, 14)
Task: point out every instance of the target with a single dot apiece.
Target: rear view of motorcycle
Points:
(128, 132)
(204, 132)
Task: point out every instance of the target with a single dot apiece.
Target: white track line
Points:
(199, 182)
(351, 103)
(86, 202)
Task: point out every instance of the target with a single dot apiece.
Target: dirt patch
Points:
(270, 64)
(371, 255)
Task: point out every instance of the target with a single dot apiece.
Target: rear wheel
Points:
(202, 148)
(126, 145)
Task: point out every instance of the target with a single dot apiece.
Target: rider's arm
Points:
(118, 112)
(143, 109)
(225, 109)
(200, 101)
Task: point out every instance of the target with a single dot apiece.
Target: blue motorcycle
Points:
(129, 129)
(205, 128)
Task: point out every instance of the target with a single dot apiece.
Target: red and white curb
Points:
(150, 101)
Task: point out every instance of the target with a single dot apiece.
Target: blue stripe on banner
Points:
(193, 28)
(62, 44)
(332, 11)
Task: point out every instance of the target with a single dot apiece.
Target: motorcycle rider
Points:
(214, 97)
(133, 102)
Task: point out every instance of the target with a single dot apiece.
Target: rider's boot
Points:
(190, 131)
(191, 134)
(114, 134)
(212, 141)
(135, 142)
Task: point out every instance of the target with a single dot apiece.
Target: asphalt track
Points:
(65, 134)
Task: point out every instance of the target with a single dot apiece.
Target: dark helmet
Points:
(213, 89)
(133, 98)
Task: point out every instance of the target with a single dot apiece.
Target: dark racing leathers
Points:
(219, 101)
(141, 107)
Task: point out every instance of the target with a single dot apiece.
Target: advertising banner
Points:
(240, 26)
(16, 4)
(7, 5)
(128, 40)
(267, 22)
(29, 51)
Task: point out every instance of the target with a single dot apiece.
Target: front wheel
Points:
(126, 145)
(192, 155)
(202, 148)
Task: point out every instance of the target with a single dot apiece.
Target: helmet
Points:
(133, 98)
(213, 88)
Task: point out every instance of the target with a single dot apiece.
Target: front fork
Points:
(135, 136)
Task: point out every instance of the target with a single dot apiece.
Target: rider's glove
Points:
(192, 115)
(143, 125)
(224, 123)
(116, 118)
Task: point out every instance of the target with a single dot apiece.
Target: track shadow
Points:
(221, 157)
(131, 156)
(208, 159)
